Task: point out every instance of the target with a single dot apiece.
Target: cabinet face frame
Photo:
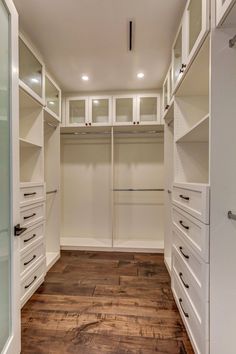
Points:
(183, 28)
(25, 87)
(158, 109)
(77, 98)
(90, 112)
(134, 118)
(222, 10)
(204, 29)
(57, 117)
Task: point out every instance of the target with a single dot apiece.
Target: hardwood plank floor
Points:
(104, 303)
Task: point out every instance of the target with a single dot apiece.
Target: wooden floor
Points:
(101, 302)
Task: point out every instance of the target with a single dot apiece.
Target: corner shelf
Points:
(199, 133)
(29, 144)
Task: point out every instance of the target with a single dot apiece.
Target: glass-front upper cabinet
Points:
(148, 109)
(222, 9)
(166, 93)
(197, 19)
(100, 111)
(179, 54)
(52, 98)
(77, 111)
(124, 110)
(31, 72)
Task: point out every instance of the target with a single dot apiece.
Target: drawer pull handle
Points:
(185, 313)
(184, 226)
(29, 216)
(28, 239)
(181, 278)
(185, 255)
(183, 197)
(29, 194)
(27, 286)
(31, 260)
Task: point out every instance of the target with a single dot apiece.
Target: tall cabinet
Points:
(39, 106)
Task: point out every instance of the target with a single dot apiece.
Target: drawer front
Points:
(198, 331)
(196, 294)
(32, 235)
(31, 258)
(196, 266)
(29, 283)
(31, 194)
(193, 201)
(32, 214)
(193, 230)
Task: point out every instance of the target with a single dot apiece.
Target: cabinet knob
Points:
(86, 124)
(137, 122)
(134, 122)
(90, 123)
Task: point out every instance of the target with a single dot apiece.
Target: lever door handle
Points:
(18, 230)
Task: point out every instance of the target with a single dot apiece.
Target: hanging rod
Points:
(117, 132)
(51, 124)
(51, 192)
(138, 190)
(86, 133)
(232, 42)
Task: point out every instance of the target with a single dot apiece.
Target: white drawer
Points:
(197, 267)
(31, 281)
(193, 230)
(31, 236)
(192, 198)
(29, 215)
(29, 259)
(196, 294)
(198, 331)
(31, 193)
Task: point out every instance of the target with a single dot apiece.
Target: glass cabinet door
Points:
(100, 111)
(194, 22)
(124, 110)
(149, 109)
(52, 97)
(166, 88)
(30, 69)
(77, 112)
(177, 58)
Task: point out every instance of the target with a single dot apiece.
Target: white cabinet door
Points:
(100, 112)
(9, 177)
(77, 109)
(222, 7)
(124, 110)
(197, 25)
(148, 109)
(166, 93)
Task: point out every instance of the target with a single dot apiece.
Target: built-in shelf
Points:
(28, 144)
(199, 133)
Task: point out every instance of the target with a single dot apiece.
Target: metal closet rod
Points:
(117, 132)
(51, 192)
(138, 190)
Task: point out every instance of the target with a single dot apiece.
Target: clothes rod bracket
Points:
(51, 192)
(232, 42)
(231, 215)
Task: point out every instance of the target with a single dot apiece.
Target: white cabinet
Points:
(31, 71)
(179, 56)
(222, 9)
(143, 109)
(52, 98)
(167, 90)
(100, 110)
(77, 111)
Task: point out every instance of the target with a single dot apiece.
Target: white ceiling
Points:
(90, 37)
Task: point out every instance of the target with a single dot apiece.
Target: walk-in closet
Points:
(117, 176)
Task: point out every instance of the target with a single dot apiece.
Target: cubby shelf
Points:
(199, 133)
(26, 143)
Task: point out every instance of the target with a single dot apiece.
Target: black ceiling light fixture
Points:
(131, 32)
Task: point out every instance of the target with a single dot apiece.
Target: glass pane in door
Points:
(165, 94)
(5, 215)
(52, 96)
(195, 21)
(100, 111)
(124, 110)
(30, 69)
(77, 111)
(148, 109)
(177, 57)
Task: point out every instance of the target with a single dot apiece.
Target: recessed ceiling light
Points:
(51, 102)
(35, 80)
(140, 75)
(85, 77)
(95, 101)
